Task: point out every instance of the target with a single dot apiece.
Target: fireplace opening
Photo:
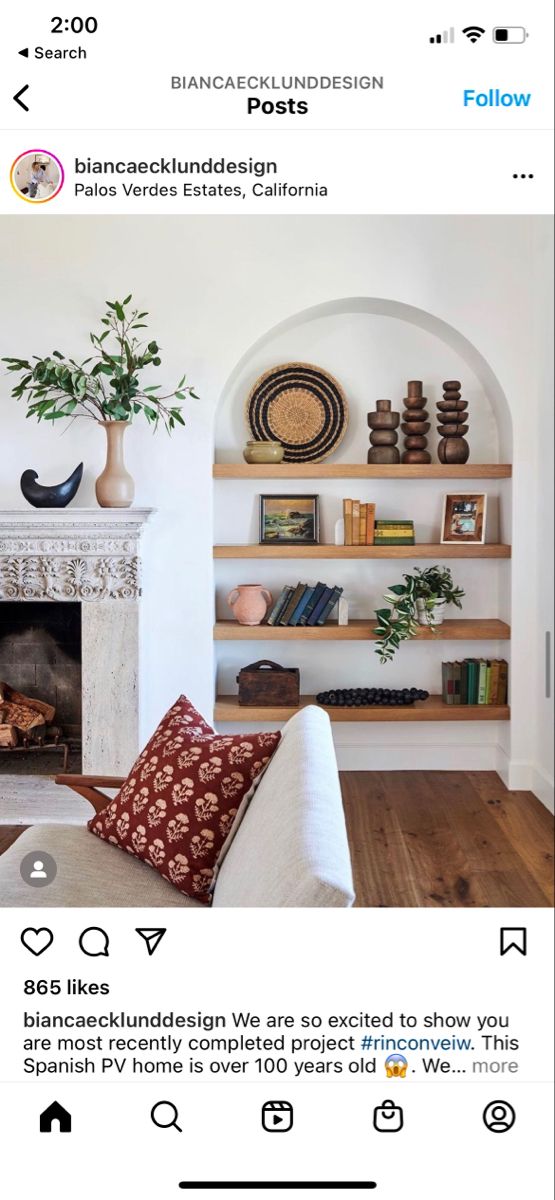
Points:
(40, 687)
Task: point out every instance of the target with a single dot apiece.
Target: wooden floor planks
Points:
(446, 839)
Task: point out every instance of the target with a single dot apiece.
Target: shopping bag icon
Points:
(388, 1117)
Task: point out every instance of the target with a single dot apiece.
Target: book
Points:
(495, 672)
(291, 604)
(356, 522)
(294, 619)
(329, 607)
(482, 682)
(446, 675)
(362, 525)
(445, 679)
(465, 665)
(488, 682)
(348, 519)
(370, 522)
(503, 693)
(393, 530)
(473, 674)
(319, 607)
(394, 541)
(397, 524)
(457, 682)
(283, 597)
(317, 592)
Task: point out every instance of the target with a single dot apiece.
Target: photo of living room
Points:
(331, 437)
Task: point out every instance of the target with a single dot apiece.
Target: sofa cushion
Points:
(90, 874)
(184, 797)
(291, 848)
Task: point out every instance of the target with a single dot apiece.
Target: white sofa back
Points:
(291, 848)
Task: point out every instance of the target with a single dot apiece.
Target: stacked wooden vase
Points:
(452, 415)
(415, 425)
(383, 437)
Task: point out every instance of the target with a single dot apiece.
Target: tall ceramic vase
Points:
(115, 487)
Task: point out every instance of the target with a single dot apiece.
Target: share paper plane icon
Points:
(152, 938)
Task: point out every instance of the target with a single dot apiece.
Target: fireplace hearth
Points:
(79, 570)
(40, 687)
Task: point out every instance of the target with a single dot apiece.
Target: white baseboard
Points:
(517, 776)
(542, 787)
(402, 757)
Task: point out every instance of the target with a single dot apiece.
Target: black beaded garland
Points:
(371, 697)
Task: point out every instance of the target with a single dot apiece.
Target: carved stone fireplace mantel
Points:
(71, 554)
(92, 556)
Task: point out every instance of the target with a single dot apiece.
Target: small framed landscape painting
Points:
(464, 518)
(289, 519)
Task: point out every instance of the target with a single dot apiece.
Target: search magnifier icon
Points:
(164, 1114)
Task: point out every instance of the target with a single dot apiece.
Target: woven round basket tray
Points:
(301, 406)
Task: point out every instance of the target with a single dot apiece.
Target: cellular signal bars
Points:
(448, 35)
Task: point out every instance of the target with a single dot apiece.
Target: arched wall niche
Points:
(453, 349)
(373, 345)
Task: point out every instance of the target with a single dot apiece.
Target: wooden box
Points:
(265, 682)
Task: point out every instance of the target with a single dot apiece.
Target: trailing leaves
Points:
(398, 623)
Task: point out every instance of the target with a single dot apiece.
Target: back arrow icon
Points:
(17, 97)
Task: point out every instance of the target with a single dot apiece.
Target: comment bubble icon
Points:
(94, 941)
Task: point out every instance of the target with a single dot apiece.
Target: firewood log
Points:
(8, 736)
(40, 712)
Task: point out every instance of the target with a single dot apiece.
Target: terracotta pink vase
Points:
(250, 603)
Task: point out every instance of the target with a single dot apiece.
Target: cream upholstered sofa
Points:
(290, 849)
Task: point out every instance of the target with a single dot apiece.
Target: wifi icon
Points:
(473, 32)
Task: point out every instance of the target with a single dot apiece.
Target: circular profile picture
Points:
(37, 176)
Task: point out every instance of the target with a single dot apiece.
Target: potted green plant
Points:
(420, 600)
(105, 387)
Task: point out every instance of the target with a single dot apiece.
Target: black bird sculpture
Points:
(56, 496)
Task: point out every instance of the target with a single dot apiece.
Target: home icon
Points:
(54, 1113)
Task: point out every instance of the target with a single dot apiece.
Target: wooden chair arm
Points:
(88, 786)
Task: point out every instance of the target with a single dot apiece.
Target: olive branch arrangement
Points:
(57, 386)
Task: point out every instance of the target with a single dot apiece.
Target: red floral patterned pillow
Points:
(183, 797)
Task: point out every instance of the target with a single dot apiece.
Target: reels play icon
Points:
(277, 1116)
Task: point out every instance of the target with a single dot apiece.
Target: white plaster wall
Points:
(213, 287)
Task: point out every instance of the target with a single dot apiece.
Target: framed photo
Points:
(289, 519)
(464, 518)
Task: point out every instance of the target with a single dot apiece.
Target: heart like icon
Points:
(37, 940)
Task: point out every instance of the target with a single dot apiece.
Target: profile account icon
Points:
(499, 1116)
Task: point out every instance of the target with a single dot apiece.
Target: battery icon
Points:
(509, 35)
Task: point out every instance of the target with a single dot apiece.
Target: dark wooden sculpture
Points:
(415, 425)
(452, 416)
(57, 495)
(383, 437)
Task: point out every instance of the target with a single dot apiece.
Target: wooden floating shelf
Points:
(477, 630)
(422, 550)
(227, 709)
(361, 471)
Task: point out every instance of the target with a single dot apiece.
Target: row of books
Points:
(304, 604)
(475, 681)
(362, 529)
(359, 521)
(394, 533)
